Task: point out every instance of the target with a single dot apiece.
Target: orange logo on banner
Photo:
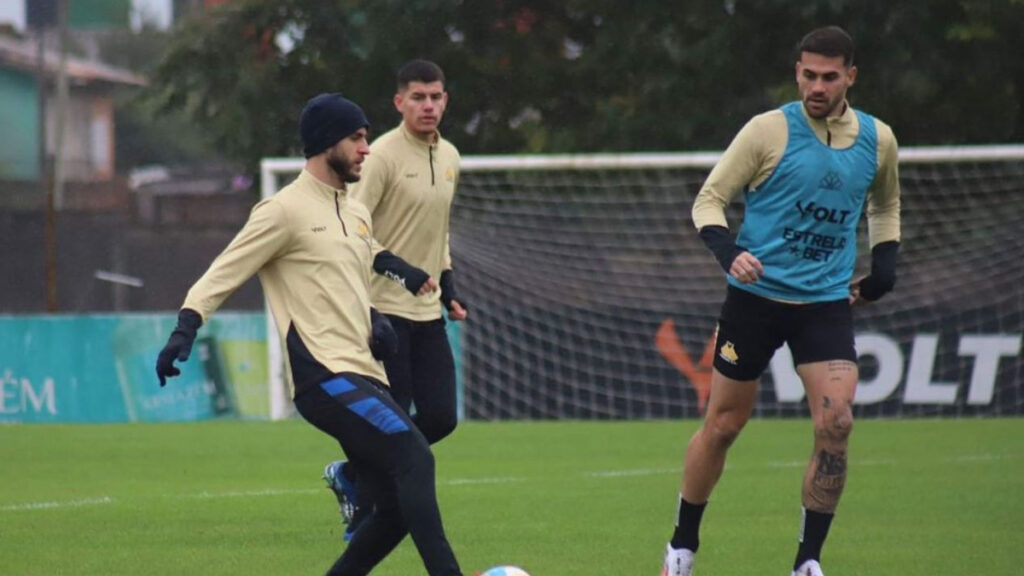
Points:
(671, 348)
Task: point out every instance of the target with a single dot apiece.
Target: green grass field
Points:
(924, 497)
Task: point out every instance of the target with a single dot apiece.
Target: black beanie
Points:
(327, 118)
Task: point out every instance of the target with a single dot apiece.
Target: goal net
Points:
(592, 297)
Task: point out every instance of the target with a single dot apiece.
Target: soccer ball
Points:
(503, 571)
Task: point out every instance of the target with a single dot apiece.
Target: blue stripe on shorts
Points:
(380, 415)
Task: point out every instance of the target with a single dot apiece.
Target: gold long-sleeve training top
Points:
(313, 248)
(408, 186)
(756, 150)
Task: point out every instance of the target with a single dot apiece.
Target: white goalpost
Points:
(593, 298)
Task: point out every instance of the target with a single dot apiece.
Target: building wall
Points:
(19, 123)
(88, 136)
(88, 131)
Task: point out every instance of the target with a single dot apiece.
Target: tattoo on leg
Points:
(841, 366)
(837, 369)
(828, 480)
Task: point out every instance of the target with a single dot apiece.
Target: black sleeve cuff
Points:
(882, 279)
(448, 293)
(410, 277)
(720, 242)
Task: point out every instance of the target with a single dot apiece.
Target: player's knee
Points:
(835, 427)
(440, 428)
(421, 460)
(722, 430)
(436, 423)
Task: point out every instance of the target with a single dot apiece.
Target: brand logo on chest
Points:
(831, 181)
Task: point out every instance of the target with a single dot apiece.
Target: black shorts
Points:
(751, 328)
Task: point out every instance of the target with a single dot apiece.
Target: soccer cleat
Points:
(809, 568)
(359, 514)
(677, 562)
(348, 499)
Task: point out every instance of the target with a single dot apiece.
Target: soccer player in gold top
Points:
(806, 170)
(407, 185)
(313, 249)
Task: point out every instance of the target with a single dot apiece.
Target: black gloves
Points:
(409, 276)
(883, 271)
(720, 242)
(448, 293)
(383, 340)
(179, 345)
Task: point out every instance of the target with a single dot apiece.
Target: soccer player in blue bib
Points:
(806, 170)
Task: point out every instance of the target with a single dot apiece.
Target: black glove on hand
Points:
(383, 340)
(410, 277)
(448, 293)
(882, 279)
(179, 345)
(720, 242)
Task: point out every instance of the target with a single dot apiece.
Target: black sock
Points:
(812, 536)
(688, 525)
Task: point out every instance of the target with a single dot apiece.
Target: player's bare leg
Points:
(729, 407)
(830, 387)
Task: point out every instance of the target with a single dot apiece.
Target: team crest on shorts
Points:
(728, 353)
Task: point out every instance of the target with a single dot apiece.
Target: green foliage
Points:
(924, 497)
(591, 75)
(145, 135)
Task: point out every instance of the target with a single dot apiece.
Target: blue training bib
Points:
(801, 223)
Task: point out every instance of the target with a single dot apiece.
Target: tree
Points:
(590, 75)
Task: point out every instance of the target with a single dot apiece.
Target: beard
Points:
(827, 106)
(342, 168)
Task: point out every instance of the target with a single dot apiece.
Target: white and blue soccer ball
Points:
(504, 571)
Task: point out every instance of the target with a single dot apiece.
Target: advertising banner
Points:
(101, 368)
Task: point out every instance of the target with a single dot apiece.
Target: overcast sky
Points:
(158, 11)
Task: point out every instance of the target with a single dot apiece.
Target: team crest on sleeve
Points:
(728, 353)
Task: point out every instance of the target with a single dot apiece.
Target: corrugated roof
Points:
(22, 55)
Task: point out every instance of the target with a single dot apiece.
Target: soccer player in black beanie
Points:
(313, 249)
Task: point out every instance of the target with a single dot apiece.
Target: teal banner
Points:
(100, 368)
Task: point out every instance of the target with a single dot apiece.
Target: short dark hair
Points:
(419, 71)
(831, 41)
